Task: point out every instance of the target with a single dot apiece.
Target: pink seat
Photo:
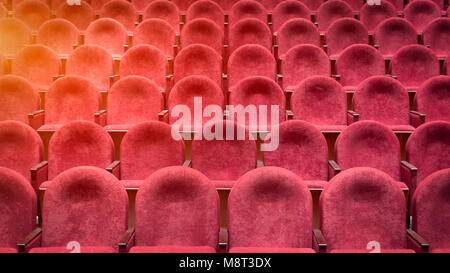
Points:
(15, 36)
(245, 9)
(59, 34)
(122, 11)
(226, 4)
(421, 12)
(354, 4)
(313, 5)
(270, 250)
(32, 12)
(290, 9)
(372, 15)
(392, 34)
(250, 31)
(206, 9)
(109, 34)
(343, 33)
(141, 4)
(80, 15)
(330, 11)
(183, 5)
(83, 249)
(156, 32)
(433, 99)
(296, 32)
(165, 10)
(270, 4)
(172, 249)
(437, 36)
(202, 31)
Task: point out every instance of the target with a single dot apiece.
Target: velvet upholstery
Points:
(254, 206)
(321, 101)
(18, 98)
(369, 144)
(313, 5)
(107, 33)
(250, 60)
(357, 63)
(361, 205)
(392, 34)
(98, 4)
(250, 31)
(176, 207)
(183, 5)
(18, 207)
(345, 32)
(165, 10)
(206, 9)
(398, 4)
(226, 4)
(286, 10)
(140, 5)
(3, 65)
(38, 64)
(145, 60)
(430, 210)
(155, 32)
(79, 143)
(413, 65)
(259, 91)
(32, 12)
(198, 59)
(437, 35)
(440, 3)
(296, 32)
(184, 93)
(148, 147)
(131, 100)
(58, 34)
(330, 11)
(87, 205)
(372, 15)
(83, 249)
(433, 99)
(302, 149)
(421, 12)
(80, 15)
(71, 98)
(270, 4)
(244, 9)
(15, 35)
(224, 158)
(383, 99)
(428, 148)
(202, 31)
(122, 11)
(269, 250)
(172, 249)
(355, 5)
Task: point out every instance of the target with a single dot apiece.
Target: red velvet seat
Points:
(430, 208)
(54, 5)
(343, 33)
(270, 4)
(145, 60)
(122, 11)
(385, 100)
(177, 210)
(183, 5)
(437, 35)
(140, 4)
(59, 34)
(245, 9)
(426, 150)
(86, 205)
(330, 11)
(250, 31)
(362, 206)
(313, 5)
(255, 223)
(372, 15)
(18, 98)
(421, 12)
(97, 5)
(296, 32)
(440, 3)
(15, 36)
(303, 150)
(38, 64)
(206, 9)
(32, 12)
(80, 15)
(165, 10)
(433, 99)
(156, 32)
(226, 4)
(146, 148)
(19, 209)
(357, 63)
(132, 100)
(92, 62)
(250, 60)
(286, 10)
(355, 5)
(321, 101)
(198, 59)
(413, 65)
(226, 154)
(109, 34)
(202, 31)
(392, 34)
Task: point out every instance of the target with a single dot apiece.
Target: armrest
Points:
(259, 163)
(36, 119)
(319, 243)
(32, 240)
(416, 242)
(333, 168)
(187, 163)
(100, 118)
(280, 80)
(352, 117)
(163, 116)
(409, 174)
(114, 168)
(39, 174)
(57, 77)
(127, 241)
(289, 115)
(416, 118)
(336, 77)
(113, 79)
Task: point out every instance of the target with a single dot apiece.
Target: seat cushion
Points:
(118, 127)
(369, 250)
(50, 127)
(7, 250)
(407, 128)
(83, 249)
(316, 184)
(270, 250)
(331, 128)
(224, 184)
(172, 249)
(131, 184)
(440, 250)
(45, 185)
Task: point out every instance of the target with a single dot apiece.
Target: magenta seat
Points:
(15, 36)
(343, 33)
(59, 34)
(245, 9)
(140, 4)
(80, 15)
(156, 32)
(122, 11)
(250, 31)
(206, 9)
(270, 4)
(165, 10)
(398, 4)
(421, 12)
(296, 32)
(330, 11)
(372, 15)
(202, 31)
(313, 5)
(183, 5)
(437, 35)
(32, 12)
(109, 34)
(433, 99)
(226, 4)
(286, 10)
(392, 34)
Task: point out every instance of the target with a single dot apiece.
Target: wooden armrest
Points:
(418, 239)
(187, 163)
(353, 113)
(36, 119)
(100, 118)
(39, 174)
(259, 163)
(418, 114)
(126, 240)
(320, 240)
(408, 165)
(162, 116)
(30, 237)
(113, 165)
(289, 114)
(333, 168)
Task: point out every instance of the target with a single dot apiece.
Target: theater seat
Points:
(270, 250)
(421, 12)
(165, 10)
(109, 34)
(245, 9)
(433, 99)
(15, 36)
(250, 31)
(85, 249)
(343, 33)
(202, 31)
(206, 9)
(122, 11)
(59, 34)
(140, 4)
(172, 249)
(330, 11)
(287, 10)
(436, 35)
(158, 33)
(80, 15)
(294, 33)
(372, 15)
(32, 12)
(392, 34)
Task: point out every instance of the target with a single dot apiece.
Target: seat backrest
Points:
(437, 35)
(183, 5)
(362, 205)
(206, 9)
(270, 4)
(433, 99)
(155, 32)
(421, 12)
(59, 34)
(372, 15)
(345, 32)
(191, 202)
(107, 33)
(122, 11)
(330, 11)
(87, 205)
(80, 15)
(140, 5)
(226, 4)
(313, 5)
(394, 33)
(97, 5)
(286, 10)
(250, 31)
(255, 205)
(202, 31)
(32, 12)
(244, 9)
(296, 32)
(15, 35)
(165, 10)
(369, 144)
(355, 4)
(79, 143)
